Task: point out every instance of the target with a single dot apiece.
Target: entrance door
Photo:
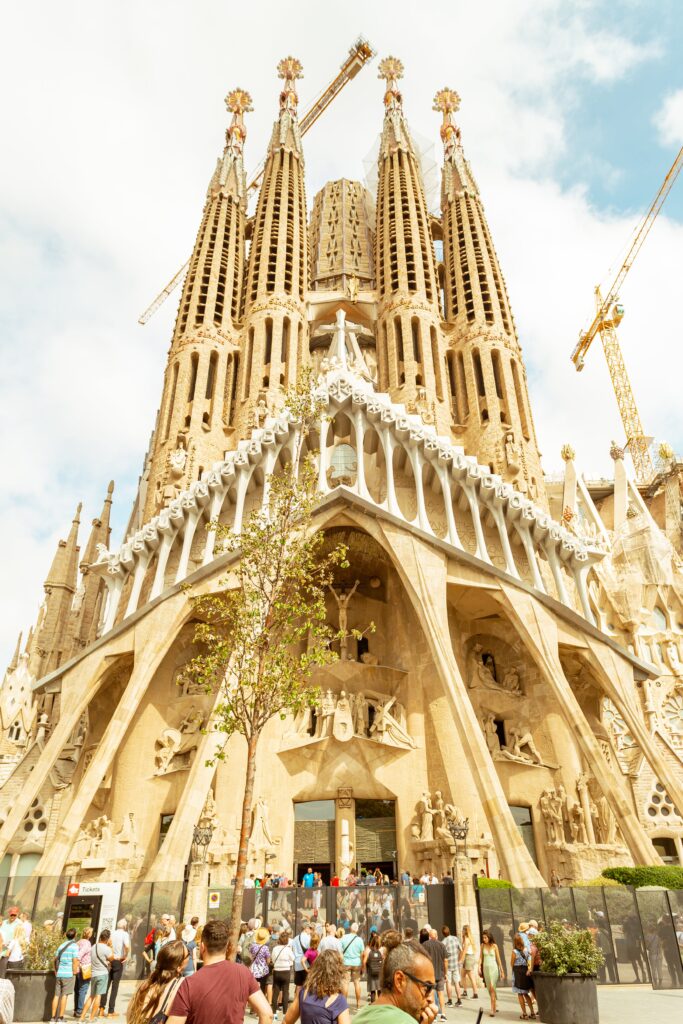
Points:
(322, 869)
(82, 912)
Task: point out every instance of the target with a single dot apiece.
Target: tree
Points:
(263, 634)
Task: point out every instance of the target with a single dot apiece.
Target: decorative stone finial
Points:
(290, 69)
(446, 102)
(665, 451)
(567, 453)
(238, 102)
(615, 452)
(391, 69)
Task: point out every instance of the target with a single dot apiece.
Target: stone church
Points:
(525, 676)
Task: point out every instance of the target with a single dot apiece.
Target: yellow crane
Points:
(608, 316)
(359, 55)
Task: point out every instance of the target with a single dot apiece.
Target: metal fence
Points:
(378, 906)
(640, 932)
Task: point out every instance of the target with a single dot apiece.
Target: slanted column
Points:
(554, 563)
(114, 585)
(499, 520)
(388, 444)
(524, 532)
(417, 461)
(216, 505)
(138, 579)
(444, 479)
(190, 527)
(359, 429)
(323, 460)
(580, 574)
(473, 502)
(162, 560)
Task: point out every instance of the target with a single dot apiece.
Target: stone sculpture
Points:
(520, 746)
(491, 734)
(369, 716)
(174, 747)
(343, 598)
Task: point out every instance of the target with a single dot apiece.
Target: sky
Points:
(112, 117)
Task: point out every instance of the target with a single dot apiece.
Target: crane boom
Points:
(586, 338)
(360, 53)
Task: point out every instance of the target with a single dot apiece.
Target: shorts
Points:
(98, 984)
(65, 986)
(440, 984)
(469, 961)
(353, 971)
(454, 975)
(299, 978)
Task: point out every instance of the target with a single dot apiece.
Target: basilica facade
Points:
(524, 677)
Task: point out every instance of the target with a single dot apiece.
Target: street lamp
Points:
(459, 829)
(201, 837)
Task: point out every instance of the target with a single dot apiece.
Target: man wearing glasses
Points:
(408, 986)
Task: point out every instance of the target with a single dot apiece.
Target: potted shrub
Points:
(34, 984)
(566, 984)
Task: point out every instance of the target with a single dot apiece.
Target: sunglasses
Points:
(427, 986)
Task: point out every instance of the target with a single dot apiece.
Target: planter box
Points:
(571, 999)
(33, 992)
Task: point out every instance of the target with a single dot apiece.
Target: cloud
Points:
(669, 119)
(114, 134)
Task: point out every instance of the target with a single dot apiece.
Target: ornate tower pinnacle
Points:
(238, 103)
(290, 69)
(391, 69)
(486, 376)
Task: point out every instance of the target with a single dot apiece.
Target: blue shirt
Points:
(309, 879)
(66, 954)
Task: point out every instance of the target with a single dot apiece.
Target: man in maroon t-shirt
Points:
(221, 990)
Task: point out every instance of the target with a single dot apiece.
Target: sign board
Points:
(214, 900)
(111, 897)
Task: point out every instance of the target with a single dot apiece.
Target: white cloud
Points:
(669, 119)
(114, 126)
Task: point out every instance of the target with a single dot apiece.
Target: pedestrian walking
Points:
(283, 962)
(120, 944)
(372, 965)
(101, 955)
(85, 971)
(321, 1000)
(330, 941)
(300, 944)
(66, 969)
(157, 992)
(452, 949)
(490, 967)
(468, 959)
(521, 973)
(221, 990)
(429, 941)
(352, 948)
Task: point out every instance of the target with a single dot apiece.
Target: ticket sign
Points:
(214, 900)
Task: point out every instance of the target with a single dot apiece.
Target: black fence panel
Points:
(662, 923)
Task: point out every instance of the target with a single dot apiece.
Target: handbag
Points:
(160, 1017)
(86, 972)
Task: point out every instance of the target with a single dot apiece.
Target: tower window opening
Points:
(417, 344)
(521, 405)
(284, 350)
(194, 364)
(464, 266)
(383, 360)
(171, 401)
(208, 261)
(478, 373)
(398, 338)
(451, 299)
(497, 278)
(211, 375)
(274, 228)
(450, 365)
(268, 351)
(479, 262)
(426, 243)
(233, 389)
(436, 363)
(248, 362)
(461, 384)
(191, 277)
(497, 373)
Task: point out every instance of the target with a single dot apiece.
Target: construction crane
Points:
(359, 55)
(608, 316)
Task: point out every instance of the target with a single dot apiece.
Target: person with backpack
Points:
(67, 966)
(372, 965)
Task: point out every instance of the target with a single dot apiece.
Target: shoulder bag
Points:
(160, 1017)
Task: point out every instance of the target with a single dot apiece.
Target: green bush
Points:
(493, 883)
(41, 949)
(601, 882)
(668, 877)
(568, 952)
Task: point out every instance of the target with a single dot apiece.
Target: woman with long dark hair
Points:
(156, 992)
(321, 1000)
(490, 967)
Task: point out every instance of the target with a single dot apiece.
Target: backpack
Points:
(375, 959)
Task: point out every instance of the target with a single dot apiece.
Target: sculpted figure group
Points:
(345, 715)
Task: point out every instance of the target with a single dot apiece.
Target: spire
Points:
(87, 603)
(395, 134)
(286, 131)
(15, 657)
(64, 568)
(490, 406)
(100, 531)
(229, 177)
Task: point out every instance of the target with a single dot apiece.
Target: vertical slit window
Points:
(521, 405)
(194, 363)
(284, 350)
(233, 390)
(464, 264)
(436, 362)
(417, 346)
(478, 374)
(497, 373)
(249, 360)
(450, 364)
(171, 401)
(398, 339)
(461, 385)
(211, 375)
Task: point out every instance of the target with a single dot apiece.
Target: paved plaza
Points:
(619, 1004)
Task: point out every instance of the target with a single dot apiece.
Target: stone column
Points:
(345, 833)
(196, 899)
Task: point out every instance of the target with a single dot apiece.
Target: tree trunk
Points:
(241, 869)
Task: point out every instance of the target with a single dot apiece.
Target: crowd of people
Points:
(314, 880)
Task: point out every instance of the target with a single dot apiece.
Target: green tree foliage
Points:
(669, 877)
(263, 633)
(565, 951)
(41, 949)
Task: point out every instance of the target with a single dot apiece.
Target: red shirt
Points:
(218, 992)
(335, 881)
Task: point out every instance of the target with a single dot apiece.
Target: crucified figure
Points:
(342, 599)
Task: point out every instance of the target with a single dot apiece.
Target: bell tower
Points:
(490, 407)
(411, 345)
(195, 420)
(275, 328)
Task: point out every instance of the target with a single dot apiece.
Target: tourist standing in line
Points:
(120, 944)
(321, 1000)
(352, 947)
(101, 955)
(437, 954)
(330, 941)
(157, 992)
(468, 959)
(300, 944)
(313, 952)
(85, 971)
(282, 956)
(408, 986)
(521, 973)
(260, 957)
(372, 965)
(452, 949)
(221, 990)
(66, 969)
(7, 929)
(490, 967)
(16, 951)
